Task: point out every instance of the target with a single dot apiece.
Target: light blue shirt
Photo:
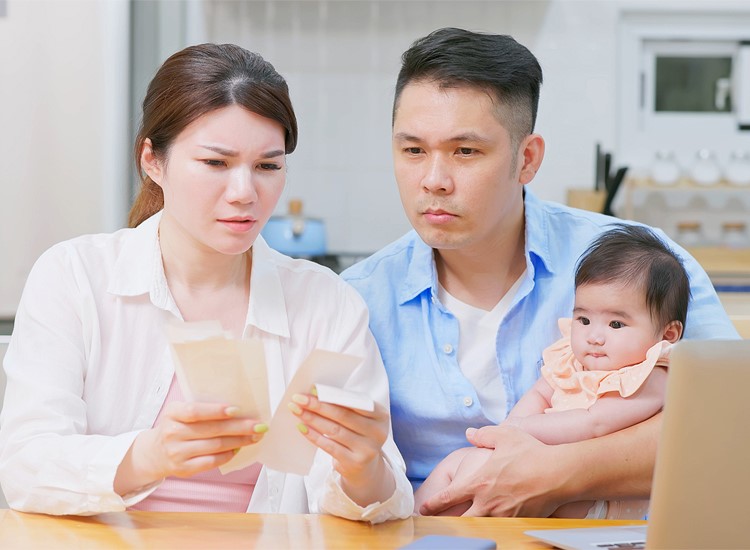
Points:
(432, 403)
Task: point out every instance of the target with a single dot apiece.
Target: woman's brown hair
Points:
(196, 81)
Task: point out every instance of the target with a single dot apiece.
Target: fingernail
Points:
(314, 391)
(231, 411)
(470, 431)
(302, 428)
(260, 428)
(294, 408)
(301, 399)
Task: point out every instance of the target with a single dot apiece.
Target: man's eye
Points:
(616, 324)
(465, 151)
(270, 166)
(413, 150)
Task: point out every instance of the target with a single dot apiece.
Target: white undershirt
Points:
(477, 351)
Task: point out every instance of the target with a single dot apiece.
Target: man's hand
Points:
(518, 479)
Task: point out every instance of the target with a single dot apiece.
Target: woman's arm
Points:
(368, 485)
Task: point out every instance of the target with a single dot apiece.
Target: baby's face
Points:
(612, 327)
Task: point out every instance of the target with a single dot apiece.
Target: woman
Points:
(94, 420)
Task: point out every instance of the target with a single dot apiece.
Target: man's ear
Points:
(672, 332)
(531, 153)
(149, 163)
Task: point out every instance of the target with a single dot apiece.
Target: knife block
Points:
(586, 199)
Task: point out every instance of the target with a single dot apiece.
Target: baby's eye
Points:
(584, 320)
(616, 324)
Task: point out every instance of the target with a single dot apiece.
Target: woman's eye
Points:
(214, 162)
(616, 324)
(270, 166)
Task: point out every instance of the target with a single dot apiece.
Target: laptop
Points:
(701, 491)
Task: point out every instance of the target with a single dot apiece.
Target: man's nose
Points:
(438, 177)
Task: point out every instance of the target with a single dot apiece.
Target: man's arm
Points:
(525, 477)
(608, 414)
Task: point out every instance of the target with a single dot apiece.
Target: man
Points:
(463, 306)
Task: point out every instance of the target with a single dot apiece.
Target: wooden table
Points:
(274, 531)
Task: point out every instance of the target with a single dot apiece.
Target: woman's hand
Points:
(189, 438)
(354, 438)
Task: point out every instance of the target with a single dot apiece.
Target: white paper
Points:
(213, 368)
(345, 398)
(284, 448)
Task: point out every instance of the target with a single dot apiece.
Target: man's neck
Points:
(482, 276)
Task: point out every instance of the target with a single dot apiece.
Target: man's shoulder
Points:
(389, 263)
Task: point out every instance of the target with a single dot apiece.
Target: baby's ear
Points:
(672, 332)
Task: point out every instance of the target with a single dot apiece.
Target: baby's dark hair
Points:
(634, 255)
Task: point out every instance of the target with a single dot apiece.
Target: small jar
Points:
(690, 234)
(734, 235)
(705, 170)
(664, 169)
(737, 171)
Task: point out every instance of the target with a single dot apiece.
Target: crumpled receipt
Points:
(213, 367)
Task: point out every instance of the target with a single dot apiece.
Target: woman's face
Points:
(222, 178)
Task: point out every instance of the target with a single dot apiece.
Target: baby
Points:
(608, 371)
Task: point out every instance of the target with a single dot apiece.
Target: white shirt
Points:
(88, 368)
(477, 349)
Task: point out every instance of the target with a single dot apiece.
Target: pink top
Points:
(208, 491)
(576, 388)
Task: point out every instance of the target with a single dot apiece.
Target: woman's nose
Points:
(241, 186)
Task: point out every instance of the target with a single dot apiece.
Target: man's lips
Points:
(438, 215)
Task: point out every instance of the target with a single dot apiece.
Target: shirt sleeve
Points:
(323, 483)
(48, 462)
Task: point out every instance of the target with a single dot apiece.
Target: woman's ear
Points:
(149, 163)
(530, 155)
(672, 332)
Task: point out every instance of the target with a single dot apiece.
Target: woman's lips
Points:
(238, 225)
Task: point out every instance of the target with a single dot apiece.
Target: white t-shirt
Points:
(477, 349)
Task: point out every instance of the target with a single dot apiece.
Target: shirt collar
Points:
(136, 272)
(422, 273)
(537, 230)
(267, 308)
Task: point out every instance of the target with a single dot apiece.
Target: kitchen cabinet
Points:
(696, 216)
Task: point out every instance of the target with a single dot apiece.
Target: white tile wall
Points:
(341, 59)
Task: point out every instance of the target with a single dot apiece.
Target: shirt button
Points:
(274, 491)
(447, 349)
(468, 401)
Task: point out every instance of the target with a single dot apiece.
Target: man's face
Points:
(455, 166)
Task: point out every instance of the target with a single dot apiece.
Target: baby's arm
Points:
(534, 401)
(610, 413)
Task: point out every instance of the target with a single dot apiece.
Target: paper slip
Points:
(213, 368)
(283, 448)
(345, 398)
